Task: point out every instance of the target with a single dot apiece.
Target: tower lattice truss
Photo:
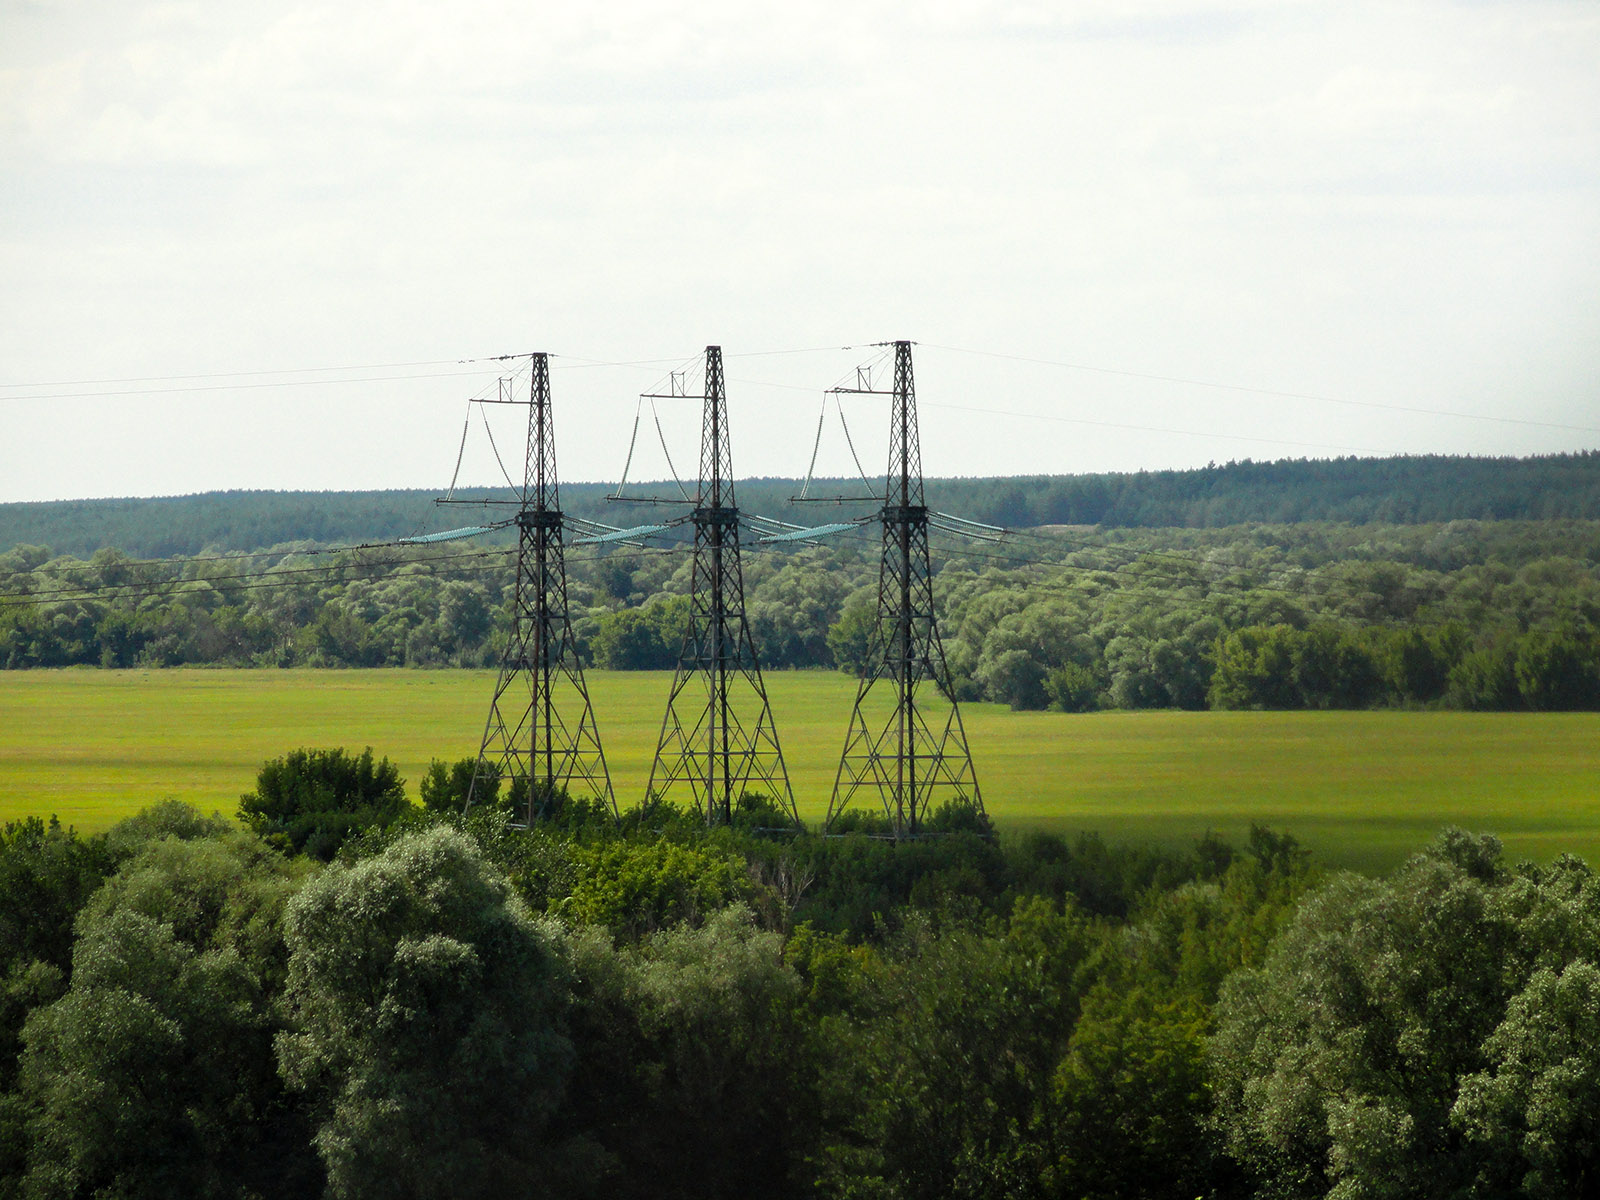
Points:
(718, 738)
(541, 737)
(906, 743)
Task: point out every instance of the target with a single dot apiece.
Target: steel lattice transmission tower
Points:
(541, 730)
(906, 741)
(718, 737)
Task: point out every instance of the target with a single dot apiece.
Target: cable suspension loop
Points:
(460, 453)
(632, 441)
(487, 429)
(683, 491)
(816, 445)
(849, 441)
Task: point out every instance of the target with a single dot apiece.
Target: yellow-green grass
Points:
(1362, 789)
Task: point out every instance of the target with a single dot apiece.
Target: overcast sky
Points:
(1344, 212)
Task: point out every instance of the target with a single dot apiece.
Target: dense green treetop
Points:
(427, 1009)
(153, 1074)
(311, 800)
(644, 1007)
(1432, 1034)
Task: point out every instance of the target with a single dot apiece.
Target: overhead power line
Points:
(480, 562)
(1259, 391)
(275, 378)
(52, 383)
(1200, 433)
(569, 362)
(236, 387)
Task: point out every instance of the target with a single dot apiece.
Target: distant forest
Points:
(1465, 614)
(1063, 613)
(1396, 491)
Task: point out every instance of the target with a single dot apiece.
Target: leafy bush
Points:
(446, 785)
(310, 801)
(1073, 688)
(642, 639)
(634, 888)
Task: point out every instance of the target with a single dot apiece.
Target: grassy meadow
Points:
(1363, 789)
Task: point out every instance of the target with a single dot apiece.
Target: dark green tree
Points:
(1331, 667)
(1559, 670)
(1536, 1103)
(428, 1010)
(642, 639)
(1255, 669)
(154, 1074)
(850, 636)
(445, 786)
(1131, 1099)
(1485, 678)
(940, 1074)
(309, 801)
(694, 1074)
(1381, 1050)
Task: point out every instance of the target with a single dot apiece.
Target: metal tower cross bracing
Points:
(906, 741)
(541, 735)
(718, 737)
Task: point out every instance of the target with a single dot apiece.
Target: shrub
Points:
(310, 801)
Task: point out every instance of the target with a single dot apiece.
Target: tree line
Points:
(1408, 489)
(1469, 614)
(344, 994)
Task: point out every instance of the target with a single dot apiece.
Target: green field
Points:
(1363, 789)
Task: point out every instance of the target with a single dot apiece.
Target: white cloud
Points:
(1390, 202)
